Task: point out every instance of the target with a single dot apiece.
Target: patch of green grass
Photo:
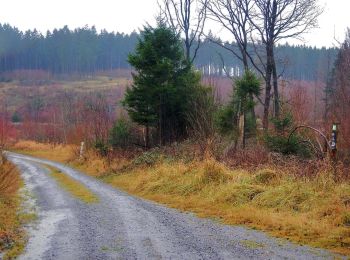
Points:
(252, 244)
(104, 248)
(72, 186)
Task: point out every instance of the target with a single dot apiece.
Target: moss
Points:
(72, 186)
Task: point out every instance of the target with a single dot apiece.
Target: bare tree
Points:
(275, 20)
(232, 15)
(265, 22)
(187, 17)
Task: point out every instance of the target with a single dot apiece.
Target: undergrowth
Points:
(12, 235)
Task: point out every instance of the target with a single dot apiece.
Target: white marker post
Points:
(82, 148)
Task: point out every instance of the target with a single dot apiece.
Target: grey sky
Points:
(129, 15)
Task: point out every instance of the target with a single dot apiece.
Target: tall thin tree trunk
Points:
(276, 92)
(267, 101)
(147, 136)
(269, 72)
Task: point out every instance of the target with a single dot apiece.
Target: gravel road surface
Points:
(121, 226)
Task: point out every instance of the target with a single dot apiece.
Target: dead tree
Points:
(186, 17)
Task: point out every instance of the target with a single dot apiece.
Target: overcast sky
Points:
(128, 15)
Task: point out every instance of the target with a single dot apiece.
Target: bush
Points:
(101, 147)
(147, 158)
(281, 142)
(213, 172)
(293, 146)
(265, 176)
(224, 120)
(16, 118)
(120, 134)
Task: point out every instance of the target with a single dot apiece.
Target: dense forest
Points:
(85, 51)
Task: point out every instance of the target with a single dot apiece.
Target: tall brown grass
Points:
(9, 180)
(11, 232)
(315, 211)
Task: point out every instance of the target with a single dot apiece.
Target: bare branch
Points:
(186, 17)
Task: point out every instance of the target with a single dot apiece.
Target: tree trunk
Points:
(275, 89)
(147, 137)
(269, 71)
(241, 130)
(267, 104)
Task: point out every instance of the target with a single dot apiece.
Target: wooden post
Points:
(82, 149)
(242, 131)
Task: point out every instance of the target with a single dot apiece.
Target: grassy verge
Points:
(12, 219)
(313, 211)
(64, 154)
(60, 153)
(72, 186)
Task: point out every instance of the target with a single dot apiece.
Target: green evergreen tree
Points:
(163, 84)
(241, 105)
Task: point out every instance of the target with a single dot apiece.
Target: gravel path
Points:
(120, 226)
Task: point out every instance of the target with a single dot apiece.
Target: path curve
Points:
(121, 226)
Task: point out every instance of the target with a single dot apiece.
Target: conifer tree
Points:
(163, 84)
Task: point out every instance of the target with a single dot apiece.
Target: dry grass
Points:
(315, 212)
(12, 237)
(72, 186)
(307, 209)
(60, 153)
(93, 164)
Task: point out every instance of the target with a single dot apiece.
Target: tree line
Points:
(85, 51)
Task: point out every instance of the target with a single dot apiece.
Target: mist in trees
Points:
(84, 51)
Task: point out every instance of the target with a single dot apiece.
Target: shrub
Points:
(213, 172)
(16, 118)
(147, 158)
(287, 146)
(265, 176)
(101, 147)
(120, 134)
(281, 142)
(224, 120)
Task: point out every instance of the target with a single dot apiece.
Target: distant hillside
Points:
(86, 51)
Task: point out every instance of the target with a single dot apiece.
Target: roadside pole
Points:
(333, 146)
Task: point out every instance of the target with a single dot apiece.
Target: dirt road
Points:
(121, 226)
